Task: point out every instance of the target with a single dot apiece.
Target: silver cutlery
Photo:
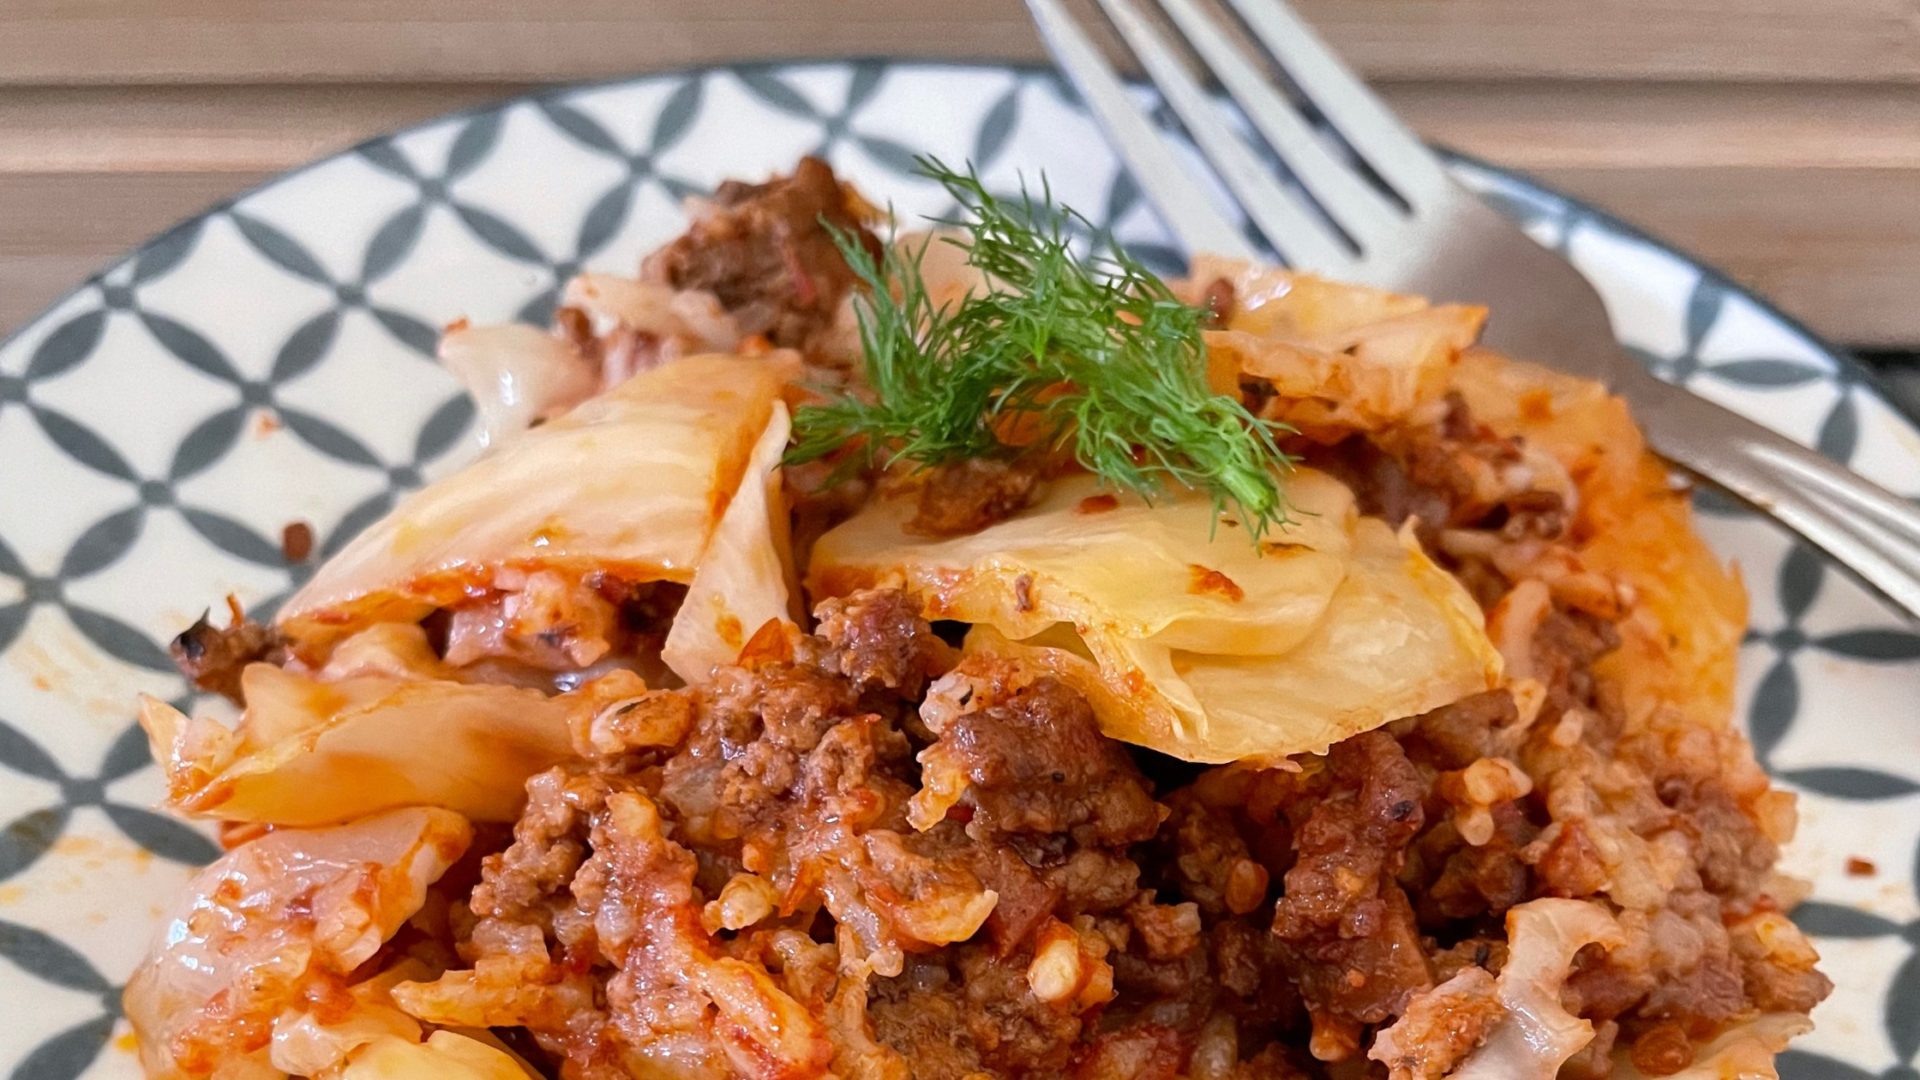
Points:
(1411, 228)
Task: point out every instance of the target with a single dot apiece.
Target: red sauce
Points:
(1205, 580)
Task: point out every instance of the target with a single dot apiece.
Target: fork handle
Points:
(1862, 526)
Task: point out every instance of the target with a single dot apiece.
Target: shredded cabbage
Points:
(631, 483)
(1538, 1034)
(308, 752)
(1186, 637)
(1743, 1052)
(445, 1055)
(267, 921)
(516, 374)
(1339, 357)
(746, 576)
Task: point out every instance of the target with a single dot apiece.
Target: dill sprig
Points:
(1091, 353)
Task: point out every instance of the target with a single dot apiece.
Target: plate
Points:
(271, 362)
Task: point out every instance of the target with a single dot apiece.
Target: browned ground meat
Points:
(1444, 475)
(763, 251)
(1347, 923)
(872, 855)
(967, 496)
(1034, 764)
(212, 658)
(879, 642)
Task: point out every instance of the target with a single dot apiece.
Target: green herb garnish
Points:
(1092, 353)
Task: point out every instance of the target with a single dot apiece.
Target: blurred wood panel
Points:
(1779, 138)
(133, 41)
(1837, 248)
(1668, 125)
(85, 129)
(1527, 125)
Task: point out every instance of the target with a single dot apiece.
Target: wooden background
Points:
(1778, 138)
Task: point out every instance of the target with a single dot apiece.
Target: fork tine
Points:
(1183, 205)
(1289, 223)
(1398, 155)
(1353, 203)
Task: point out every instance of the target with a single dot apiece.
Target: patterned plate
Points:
(271, 362)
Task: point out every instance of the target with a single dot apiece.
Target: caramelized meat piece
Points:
(970, 1013)
(1462, 733)
(762, 249)
(1344, 916)
(1217, 302)
(967, 496)
(880, 641)
(1454, 473)
(212, 658)
(1211, 861)
(1032, 760)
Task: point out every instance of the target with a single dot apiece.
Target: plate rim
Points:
(1856, 370)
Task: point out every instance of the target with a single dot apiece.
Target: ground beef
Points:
(1452, 473)
(872, 856)
(765, 251)
(1033, 762)
(879, 641)
(1210, 859)
(1382, 484)
(1341, 910)
(1564, 649)
(1476, 880)
(967, 496)
(1457, 735)
(212, 658)
(969, 1010)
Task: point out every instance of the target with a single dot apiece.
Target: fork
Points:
(1413, 229)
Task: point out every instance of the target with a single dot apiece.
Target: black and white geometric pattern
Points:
(271, 362)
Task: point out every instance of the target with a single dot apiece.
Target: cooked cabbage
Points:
(1679, 640)
(516, 374)
(1538, 1034)
(292, 911)
(308, 752)
(1744, 1052)
(445, 1055)
(396, 650)
(320, 1036)
(1339, 357)
(693, 318)
(1185, 636)
(746, 576)
(1172, 573)
(631, 483)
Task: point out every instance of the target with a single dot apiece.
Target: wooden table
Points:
(1777, 138)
